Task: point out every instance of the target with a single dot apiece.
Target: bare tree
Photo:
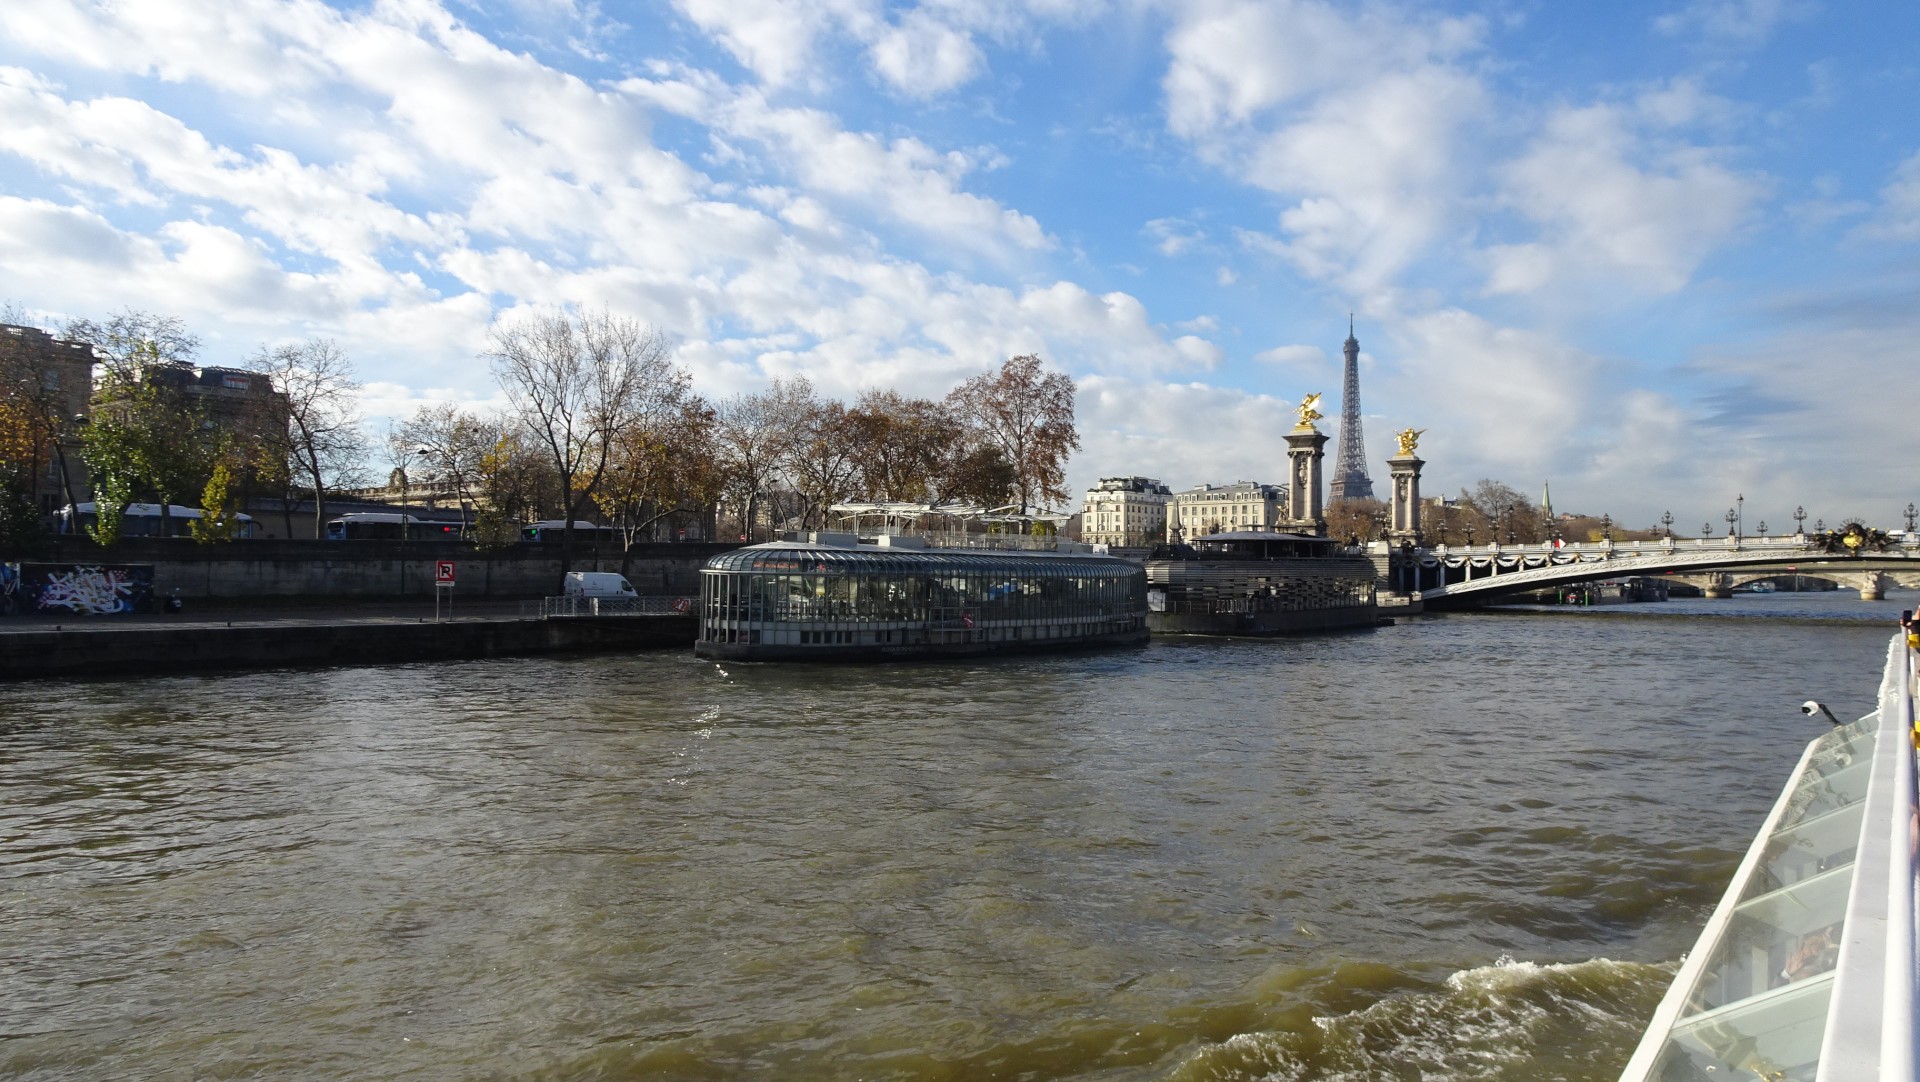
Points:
(129, 339)
(754, 437)
(1026, 413)
(321, 438)
(455, 444)
(578, 381)
(824, 463)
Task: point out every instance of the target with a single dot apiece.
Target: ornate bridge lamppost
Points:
(1732, 517)
(1799, 520)
(1740, 515)
(1819, 525)
(1606, 527)
(1763, 527)
(1666, 520)
(1706, 530)
(1911, 513)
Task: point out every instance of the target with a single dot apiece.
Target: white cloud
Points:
(1732, 22)
(1268, 91)
(1306, 361)
(924, 56)
(1616, 205)
(915, 184)
(1898, 216)
(1185, 434)
(1173, 236)
(925, 50)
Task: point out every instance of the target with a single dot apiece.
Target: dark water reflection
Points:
(1463, 847)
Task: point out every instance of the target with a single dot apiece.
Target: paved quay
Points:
(298, 632)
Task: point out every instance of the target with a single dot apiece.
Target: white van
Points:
(598, 584)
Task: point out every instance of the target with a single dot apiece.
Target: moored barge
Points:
(1253, 582)
(833, 597)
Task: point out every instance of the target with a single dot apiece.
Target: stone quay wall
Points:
(265, 568)
(95, 648)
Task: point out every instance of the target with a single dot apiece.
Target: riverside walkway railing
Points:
(1807, 969)
(548, 608)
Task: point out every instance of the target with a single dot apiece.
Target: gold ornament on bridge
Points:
(1853, 539)
(1308, 414)
(1409, 439)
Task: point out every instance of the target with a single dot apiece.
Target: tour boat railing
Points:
(1807, 968)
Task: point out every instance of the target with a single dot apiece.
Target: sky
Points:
(1661, 255)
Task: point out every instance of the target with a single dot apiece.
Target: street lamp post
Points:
(1740, 519)
(1706, 530)
(1763, 527)
(1666, 520)
(1819, 525)
(1911, 513)
(1799, 520)
(1606, 527)
(1732, 517)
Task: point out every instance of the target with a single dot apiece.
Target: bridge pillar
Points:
(1405, 468)
(1714, 584)
(1872, 586)
(1306, 506)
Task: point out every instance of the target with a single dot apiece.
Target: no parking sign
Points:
(443, 573)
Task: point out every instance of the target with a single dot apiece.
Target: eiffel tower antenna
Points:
(1350, 480)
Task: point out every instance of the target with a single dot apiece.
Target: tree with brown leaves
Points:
(1025, 413)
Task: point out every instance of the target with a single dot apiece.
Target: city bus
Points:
(142, 520)
(387, 526)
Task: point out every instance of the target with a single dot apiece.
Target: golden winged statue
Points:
(1409, 439)
(1308, 414)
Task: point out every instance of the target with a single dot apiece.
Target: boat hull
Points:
(935, 645)
(1263, 623)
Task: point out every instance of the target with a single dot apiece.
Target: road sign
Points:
(443, 572)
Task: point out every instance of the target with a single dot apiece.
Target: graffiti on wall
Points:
(98, 590)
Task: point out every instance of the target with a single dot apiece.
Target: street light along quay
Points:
(1666, 520)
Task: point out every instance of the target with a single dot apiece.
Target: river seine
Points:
(1464, 847)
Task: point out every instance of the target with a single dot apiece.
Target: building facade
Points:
(241, 401)
(1209, 509)
(50, 381)
(1125, 512)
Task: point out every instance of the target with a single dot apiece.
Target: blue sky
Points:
(1659, 254)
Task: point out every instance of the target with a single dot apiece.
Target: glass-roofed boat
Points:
(832, 596)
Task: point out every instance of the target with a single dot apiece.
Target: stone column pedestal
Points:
(1406, 498)
(1306, 506)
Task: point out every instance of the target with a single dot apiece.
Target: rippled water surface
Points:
(1464, 847)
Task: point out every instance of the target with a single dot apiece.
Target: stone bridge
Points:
(1471, 573)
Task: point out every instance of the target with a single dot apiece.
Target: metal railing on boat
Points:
(1806, 970)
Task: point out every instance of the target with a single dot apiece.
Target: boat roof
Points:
(804, 556)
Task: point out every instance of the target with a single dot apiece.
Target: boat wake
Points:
(1512, 1020)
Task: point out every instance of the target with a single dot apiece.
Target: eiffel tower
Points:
(1350, 480)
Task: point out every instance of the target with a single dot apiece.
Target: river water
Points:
(1464, 847)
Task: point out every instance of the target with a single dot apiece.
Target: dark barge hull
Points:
(741, 651)
(1258, 583)
(1263, 623)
